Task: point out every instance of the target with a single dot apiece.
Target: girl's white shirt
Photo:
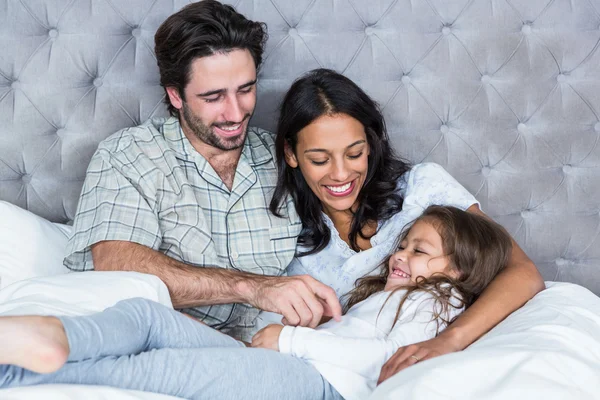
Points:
(350, 354)
(338, 266)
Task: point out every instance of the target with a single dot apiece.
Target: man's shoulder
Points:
(265, 136)
(261, 141)
(147, 134)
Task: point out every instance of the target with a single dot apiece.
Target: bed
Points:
(504, 94)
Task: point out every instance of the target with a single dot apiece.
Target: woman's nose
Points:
(340, 172)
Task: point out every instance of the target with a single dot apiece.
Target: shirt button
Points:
(235, 255)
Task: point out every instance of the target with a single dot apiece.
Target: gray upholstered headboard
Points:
(504, 93)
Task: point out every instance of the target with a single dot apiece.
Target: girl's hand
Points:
(268, 337)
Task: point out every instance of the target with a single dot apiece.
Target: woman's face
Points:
(332, 154)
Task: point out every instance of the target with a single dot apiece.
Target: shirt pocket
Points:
(285, 232)
(283, 243)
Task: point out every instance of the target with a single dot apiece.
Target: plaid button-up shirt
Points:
(148, 185)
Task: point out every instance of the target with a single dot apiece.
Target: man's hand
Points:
(268, 337)
(418, 352)
(302, 300)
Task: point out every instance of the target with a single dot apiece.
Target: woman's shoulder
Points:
(423, 172)
(429, 183)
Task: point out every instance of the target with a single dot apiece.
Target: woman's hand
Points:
(418, 352)
(268, 337)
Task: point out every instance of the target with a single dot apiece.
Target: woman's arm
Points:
(512, 288)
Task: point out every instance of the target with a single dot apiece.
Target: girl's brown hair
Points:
(477, 249)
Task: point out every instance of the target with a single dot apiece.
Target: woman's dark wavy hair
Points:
(325, 92)
(202, 29)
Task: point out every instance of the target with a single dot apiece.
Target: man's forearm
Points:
(188, 286)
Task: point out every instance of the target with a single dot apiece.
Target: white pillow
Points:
(80, 293)
(548, 349)
(30, 246)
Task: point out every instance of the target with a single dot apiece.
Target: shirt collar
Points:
(256, 150)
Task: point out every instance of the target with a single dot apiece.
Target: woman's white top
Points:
(338, 266)
(350, 353)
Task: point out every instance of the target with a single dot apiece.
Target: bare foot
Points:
(35, 343)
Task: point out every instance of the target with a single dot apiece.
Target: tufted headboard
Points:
(504, 93)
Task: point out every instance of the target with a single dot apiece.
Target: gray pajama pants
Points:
(142, 345)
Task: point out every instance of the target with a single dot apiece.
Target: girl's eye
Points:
(419, 251)
(318, 162)
(355, 156)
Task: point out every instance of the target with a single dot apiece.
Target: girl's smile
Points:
(421, 253)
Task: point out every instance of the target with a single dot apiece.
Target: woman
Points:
(354, 196)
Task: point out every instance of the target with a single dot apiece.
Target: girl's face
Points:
(420, 254)
(332, 154)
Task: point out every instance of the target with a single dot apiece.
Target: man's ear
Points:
(290, 157)
(174, 97)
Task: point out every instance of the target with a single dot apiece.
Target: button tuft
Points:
(293, 32)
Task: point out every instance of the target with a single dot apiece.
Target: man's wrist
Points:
(247, 287)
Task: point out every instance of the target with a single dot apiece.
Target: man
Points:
(186, 198)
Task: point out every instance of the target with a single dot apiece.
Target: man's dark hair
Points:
(199, 30)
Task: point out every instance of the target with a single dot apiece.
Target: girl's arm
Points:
(512, 288)
(364, 356)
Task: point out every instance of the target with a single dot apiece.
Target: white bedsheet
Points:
(78, 293)
(547, 350)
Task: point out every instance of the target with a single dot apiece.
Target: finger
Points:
(333, 307)
(303, 311)
(411, 357)
(400, 360)
(289, 314)
(314, 306)
(390, 365)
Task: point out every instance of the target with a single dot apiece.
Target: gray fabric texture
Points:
(504, 94)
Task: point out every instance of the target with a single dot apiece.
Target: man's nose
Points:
(233, 111)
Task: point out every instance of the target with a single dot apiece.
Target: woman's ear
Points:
(290, 157)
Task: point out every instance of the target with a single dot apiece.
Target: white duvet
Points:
(78, 293)
(549, 349)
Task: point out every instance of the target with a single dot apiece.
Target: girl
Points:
(442, 264)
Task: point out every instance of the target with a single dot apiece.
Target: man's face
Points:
(219, 99)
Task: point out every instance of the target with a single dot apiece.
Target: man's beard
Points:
(206, 134)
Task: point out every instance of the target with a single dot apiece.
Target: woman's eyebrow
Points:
(327, 151)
